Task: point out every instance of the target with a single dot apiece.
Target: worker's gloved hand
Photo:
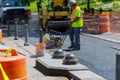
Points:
(69, 15)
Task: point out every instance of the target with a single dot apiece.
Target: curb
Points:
(103, 37)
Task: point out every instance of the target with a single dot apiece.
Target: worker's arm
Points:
(78, 16)
(75, 19)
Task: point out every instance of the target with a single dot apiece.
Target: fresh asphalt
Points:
(95, 53)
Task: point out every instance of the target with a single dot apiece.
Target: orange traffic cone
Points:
(3, 75)
(12, 66)
(1, 37)
(104, 22)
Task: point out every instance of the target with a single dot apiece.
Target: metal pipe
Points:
(16, 30)
(117, 66)
(26, 35)
(40, 36)
(40, 33)
(88, 5)
(8, 29)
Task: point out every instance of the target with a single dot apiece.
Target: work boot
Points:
(76, 48)
(71, 46)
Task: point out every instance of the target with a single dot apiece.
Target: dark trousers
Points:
(74, 35)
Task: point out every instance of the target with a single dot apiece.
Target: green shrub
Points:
(33, 7)
(116, 6)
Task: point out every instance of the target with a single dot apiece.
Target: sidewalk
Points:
(113, 37)
(29, 52)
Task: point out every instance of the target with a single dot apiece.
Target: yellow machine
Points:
(54, 14)
(54, 19)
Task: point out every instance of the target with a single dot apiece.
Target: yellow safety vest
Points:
(77, 13)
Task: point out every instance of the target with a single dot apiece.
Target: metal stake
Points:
(40, 33)
(8, 30)
(26, 35)
(40, 37)
(117, 66)
(16, 31)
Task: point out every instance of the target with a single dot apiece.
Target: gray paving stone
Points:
(85, 75)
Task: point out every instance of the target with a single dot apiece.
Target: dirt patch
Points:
(115, 22)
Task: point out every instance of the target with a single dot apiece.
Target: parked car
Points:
(11, 10)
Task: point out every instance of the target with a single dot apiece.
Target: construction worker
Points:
(76, 25)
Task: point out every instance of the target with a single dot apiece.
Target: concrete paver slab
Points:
(85, 75)
(58, 64)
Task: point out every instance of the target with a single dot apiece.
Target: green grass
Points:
(97, 5)
(33, 7)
